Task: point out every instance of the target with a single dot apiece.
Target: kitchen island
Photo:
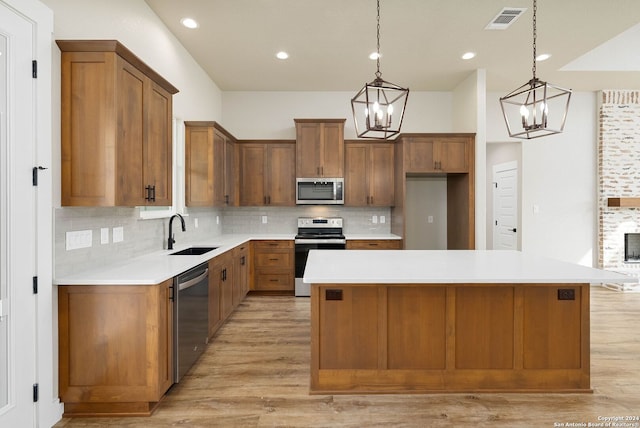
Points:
(449, 321)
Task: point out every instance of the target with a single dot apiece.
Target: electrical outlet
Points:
(430, 219)
(264, 219)
(118, 234)
(79, 239)
(566, 294)
(374, 219)
(104, 235)
(383, 219)
(217, 219)
(195, 223)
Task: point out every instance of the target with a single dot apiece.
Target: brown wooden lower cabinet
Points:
(115, 348)
(374, 244)
(273, 264)
(242, 267)
(422, 338)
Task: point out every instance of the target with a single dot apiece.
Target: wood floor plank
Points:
(256, 374)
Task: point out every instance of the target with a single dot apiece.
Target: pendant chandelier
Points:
(537, 108)
(378, 108)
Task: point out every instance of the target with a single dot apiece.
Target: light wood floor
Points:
(256, 374)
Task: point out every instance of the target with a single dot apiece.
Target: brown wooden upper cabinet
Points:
(267, 173)
(445, 153)
(210, 160)
(319, 148)
(116, 127)
(369, 179)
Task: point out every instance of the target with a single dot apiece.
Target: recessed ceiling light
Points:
(189, 23)
(468, 55)
(282, 55)
(543, 57)
(374, 55)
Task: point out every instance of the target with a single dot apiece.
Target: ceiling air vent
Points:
(505, 18)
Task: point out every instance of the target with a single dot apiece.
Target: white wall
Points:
(426, 197)
(559, 176)
(269, 115)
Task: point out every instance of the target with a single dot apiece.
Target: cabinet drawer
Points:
(382, 244)
(273, 281)
(280, 244)
(274, 259)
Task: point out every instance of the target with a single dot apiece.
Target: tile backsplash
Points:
(146, 236)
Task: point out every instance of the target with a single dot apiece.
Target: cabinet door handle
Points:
(226, 199)
(371, 199)
(242, 261)
(151, 193)
(269, 200)
(274, 259)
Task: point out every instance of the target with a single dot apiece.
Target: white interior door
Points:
(505, 206)
(17, 221)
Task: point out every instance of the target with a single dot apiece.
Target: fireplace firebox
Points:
(632, 247)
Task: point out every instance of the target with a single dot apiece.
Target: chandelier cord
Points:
(535, 9)
(378, 74)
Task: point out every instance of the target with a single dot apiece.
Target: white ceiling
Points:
(594, 43)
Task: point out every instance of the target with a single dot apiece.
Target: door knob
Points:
(513, 230)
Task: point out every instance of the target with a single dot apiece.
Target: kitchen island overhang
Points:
(398, 321)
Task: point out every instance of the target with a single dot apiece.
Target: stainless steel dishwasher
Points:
(190, 318)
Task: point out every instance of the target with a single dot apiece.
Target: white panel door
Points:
(17, 221)
(505, 207)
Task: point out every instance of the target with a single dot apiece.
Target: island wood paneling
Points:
(350, 335)
(484, 335)
(416, 337)
(430, 338)
(552, 329)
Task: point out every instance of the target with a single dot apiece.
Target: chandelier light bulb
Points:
(524, 112)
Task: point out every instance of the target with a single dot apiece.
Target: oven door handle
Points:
(320, 241)
(194, 281)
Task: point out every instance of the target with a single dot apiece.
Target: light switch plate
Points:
(104, 235)
(383, 220)
(118, 234)
(264, 219)
(374, 219)
(78, 239)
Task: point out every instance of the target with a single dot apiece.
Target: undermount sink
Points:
(193, 251)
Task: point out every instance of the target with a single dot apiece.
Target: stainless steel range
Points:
(315, 233)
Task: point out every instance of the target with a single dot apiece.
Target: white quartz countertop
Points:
(455, 266)
(156, 267)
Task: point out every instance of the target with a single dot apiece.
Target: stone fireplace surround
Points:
(618, 176)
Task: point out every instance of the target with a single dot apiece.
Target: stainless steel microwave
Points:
(320, 191)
